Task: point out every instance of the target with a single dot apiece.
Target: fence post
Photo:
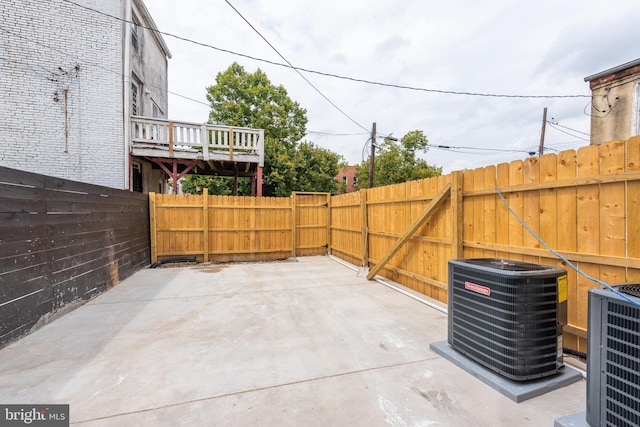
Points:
(457, 234)
(152, 227)
(293, 224)
(205, 222)
(329, 223)
(365, 227)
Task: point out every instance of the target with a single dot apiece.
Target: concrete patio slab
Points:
(283, 344)
(518, 391)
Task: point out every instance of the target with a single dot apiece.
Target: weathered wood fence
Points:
(226, 228)
(584, 204)
(62, 242)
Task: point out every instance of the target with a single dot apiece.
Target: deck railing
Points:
(206, 138)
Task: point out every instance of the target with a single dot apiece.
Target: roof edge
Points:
(156, 32)
(613, 70)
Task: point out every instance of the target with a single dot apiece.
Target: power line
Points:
(320, 133)
(294, 68)
(82, 60)
(566, 127)
(85, 62)
(186, 97)
(337, 76)
(495, 150)
(558, 144)
(553, 125)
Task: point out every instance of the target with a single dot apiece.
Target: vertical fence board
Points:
(444, 217)
(588, 220)
(502, 213)
(632, 164)
(515, 200)
(489, 210)
(548, 231)
(478, 224)
(612, 211)
(467, 213)
(531, 207)
(567, 235)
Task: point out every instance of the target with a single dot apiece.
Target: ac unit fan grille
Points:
(622, 365)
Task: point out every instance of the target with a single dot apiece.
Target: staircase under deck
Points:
(180, 148)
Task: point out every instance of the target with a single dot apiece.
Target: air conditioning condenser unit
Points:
(508, 315)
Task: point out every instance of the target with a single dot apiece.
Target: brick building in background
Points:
(347, 180)
(615, 108)
(71, 77)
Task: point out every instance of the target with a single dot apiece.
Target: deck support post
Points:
(170, 167)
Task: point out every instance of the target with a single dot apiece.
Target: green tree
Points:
(397, 162)
(250, 99)
(239, 98)
(316, 168)
(219, 185)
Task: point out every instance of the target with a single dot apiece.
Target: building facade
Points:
(72, 75)
(347, 179)
(615, 109)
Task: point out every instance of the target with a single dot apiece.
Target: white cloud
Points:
(495, 46)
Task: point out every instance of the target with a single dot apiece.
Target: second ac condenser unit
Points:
(508, 315)
(613, 364)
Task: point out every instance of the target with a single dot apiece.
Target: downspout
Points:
(126, 93)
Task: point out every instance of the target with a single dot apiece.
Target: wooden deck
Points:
(204, 149)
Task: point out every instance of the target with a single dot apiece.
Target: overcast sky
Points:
(492, 46)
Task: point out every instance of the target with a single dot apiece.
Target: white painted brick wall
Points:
(38, 39)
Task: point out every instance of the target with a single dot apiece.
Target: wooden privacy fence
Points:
(61, 243)
(225, 228)
(585, 204)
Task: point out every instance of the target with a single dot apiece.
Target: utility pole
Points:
(544, 128)
(372, 161)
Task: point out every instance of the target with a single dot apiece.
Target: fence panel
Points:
(389, 212)
(347, 228)
(312, 223)
(61, 243)
(584, 204)
(238, 228)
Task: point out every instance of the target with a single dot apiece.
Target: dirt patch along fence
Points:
(227, 228)
(584, 204)
(62, 242)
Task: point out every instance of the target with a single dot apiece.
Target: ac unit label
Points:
(474, 287)
(563, 288)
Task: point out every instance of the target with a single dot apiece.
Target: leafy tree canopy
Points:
(396, 162)
(247, 99)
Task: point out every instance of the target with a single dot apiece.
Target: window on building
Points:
(135, 28)
(344, 179)
(355, 180)
(157, 112)
(136, 178)
(135, 98)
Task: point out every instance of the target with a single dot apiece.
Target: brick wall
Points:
(41, 43)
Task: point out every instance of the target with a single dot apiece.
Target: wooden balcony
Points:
(204, 149)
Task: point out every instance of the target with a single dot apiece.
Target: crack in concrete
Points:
(236, 393)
